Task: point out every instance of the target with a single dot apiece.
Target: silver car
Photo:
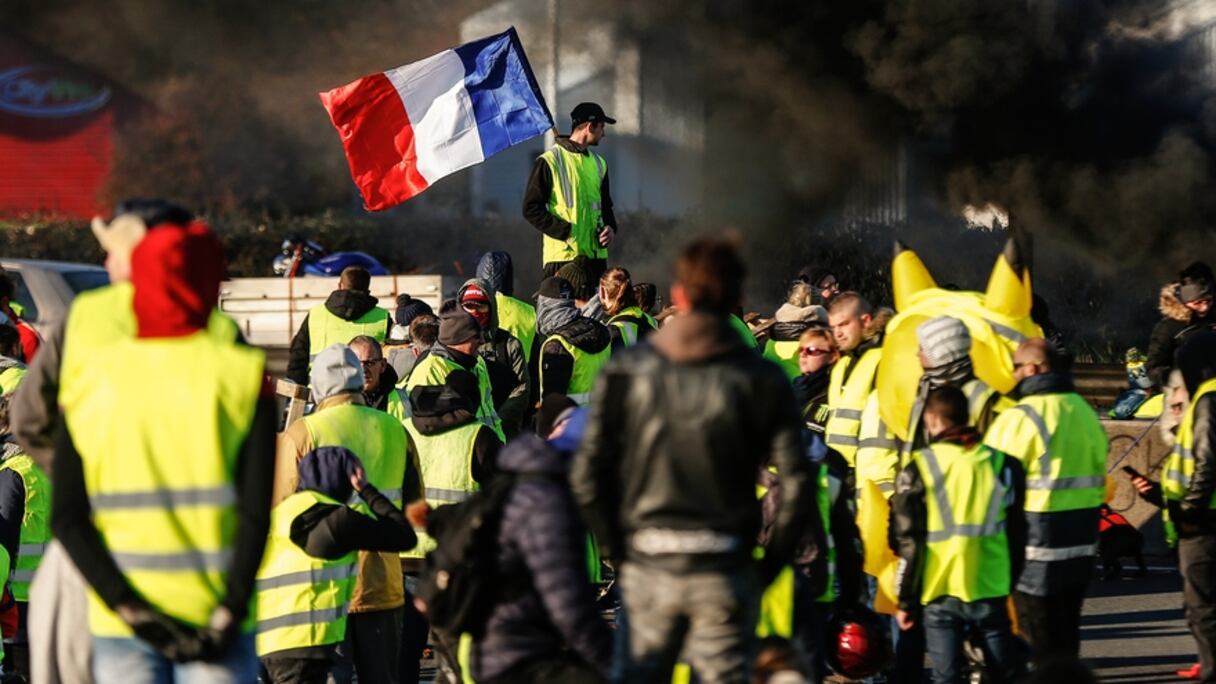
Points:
(46, 288)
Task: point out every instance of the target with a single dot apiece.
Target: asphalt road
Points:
(1133, 630)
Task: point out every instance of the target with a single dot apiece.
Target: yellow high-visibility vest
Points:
(446, 461)
(967, 551)
(849, 388)
(1180, 466)
(575, 199)
(301, 600)
(325, 328)
(518, 318)
(587, 366)
(35, 525)
(103, 316)
(374, 436)
(160, 478)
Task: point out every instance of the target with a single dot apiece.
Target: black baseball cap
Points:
(589, 111)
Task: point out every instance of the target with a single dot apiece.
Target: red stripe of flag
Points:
(378, 138)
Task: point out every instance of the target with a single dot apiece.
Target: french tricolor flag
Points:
(405, 128)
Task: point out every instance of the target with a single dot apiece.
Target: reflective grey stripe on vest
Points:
(992, 523)
(580, 398)
(311, 576)
(166, 498)
(978, 389)
(393, 495)
(453, 495)
(1040, 425)
(845, 440)
(214, 561)
(1045, 553)
(31, 549)
(877, 443)
(847, 414)
(310, 617)
(1006, 331)
(563, 177)
(1079, 482)
(599, 165)
(26, 576)
(1045, 481)
(1178, 476)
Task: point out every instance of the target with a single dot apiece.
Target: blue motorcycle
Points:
(300, 257)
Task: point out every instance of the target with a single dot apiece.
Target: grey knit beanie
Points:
(944, 340)
(335, 370)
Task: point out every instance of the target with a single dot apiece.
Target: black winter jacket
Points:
(345, 304)
(1177, 324)
(678, 428)
(542, 540)
(540, 189)
(558, 365)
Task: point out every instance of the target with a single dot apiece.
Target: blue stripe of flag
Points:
(507, 101)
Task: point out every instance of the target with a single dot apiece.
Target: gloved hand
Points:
(218, 635)
(172, 639)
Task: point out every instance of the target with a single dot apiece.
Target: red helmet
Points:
(859, 643)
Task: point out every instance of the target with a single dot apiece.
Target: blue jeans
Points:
(132, 661)
(948, 621)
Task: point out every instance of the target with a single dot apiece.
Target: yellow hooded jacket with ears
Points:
(998, 320)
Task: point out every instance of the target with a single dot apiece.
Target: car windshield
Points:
(83, 281)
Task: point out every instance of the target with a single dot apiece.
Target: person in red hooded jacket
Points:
(169, 528)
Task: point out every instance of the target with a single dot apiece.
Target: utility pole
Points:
(551, 89)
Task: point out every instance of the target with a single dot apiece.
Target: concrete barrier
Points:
(1136, 443)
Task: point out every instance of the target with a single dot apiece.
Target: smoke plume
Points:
(1093, 123)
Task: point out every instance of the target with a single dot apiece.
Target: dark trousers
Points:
(371, 648)
(1197, 563)
(948, 621)
(909, 656)
(17, 652)
(297, 670)
(414, 629)
(1052, 623)
(810, 627)
(559, 669)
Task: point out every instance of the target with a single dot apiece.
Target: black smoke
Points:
(1093, 122)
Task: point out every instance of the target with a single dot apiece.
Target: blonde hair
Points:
(800, 295)
(817, 334)
(618, 291)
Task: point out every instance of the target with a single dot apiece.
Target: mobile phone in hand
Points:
(1131, 472)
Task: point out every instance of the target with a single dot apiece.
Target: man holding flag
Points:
(568, 199)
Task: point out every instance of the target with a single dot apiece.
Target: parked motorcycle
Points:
(300, 257)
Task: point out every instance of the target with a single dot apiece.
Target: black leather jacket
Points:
(679, 427)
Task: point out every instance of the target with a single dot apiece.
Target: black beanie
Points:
(579, 278)
(456, 326)
(409, 308)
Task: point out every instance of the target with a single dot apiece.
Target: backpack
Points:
(461, 584)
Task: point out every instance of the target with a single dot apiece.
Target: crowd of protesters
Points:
(568, 487)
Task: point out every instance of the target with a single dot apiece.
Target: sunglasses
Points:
(812, 351)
